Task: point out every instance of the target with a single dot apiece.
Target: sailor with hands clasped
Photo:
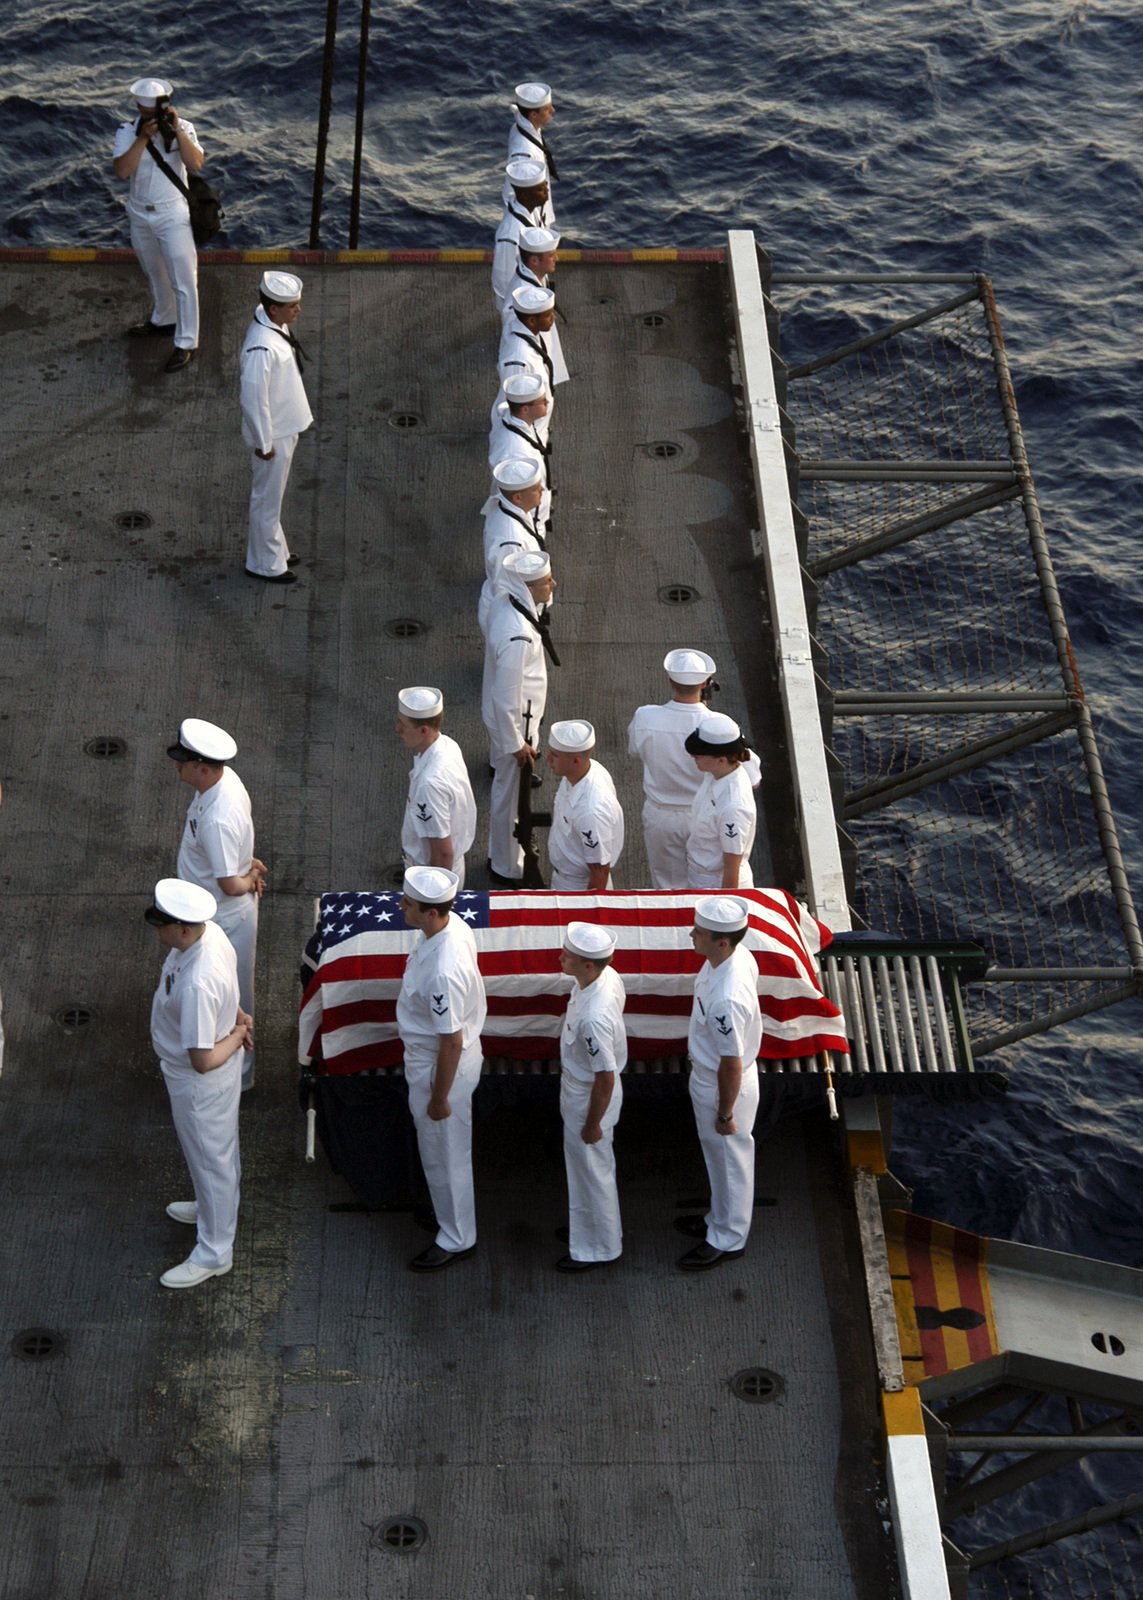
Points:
(440, 1014)
(274, 412)
(586, 838)
(440, 812)
(159, 215)
(724, 815)
(198, 1032)
(593, 1053)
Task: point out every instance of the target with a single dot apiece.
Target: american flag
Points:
(356, 958)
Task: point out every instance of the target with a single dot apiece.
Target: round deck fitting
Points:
(758, 1385)
(401, 1533)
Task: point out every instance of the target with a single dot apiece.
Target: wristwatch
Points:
(724, 1116)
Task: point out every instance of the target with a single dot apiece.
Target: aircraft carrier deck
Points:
(322, 1423)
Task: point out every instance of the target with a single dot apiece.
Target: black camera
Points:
(161, 115)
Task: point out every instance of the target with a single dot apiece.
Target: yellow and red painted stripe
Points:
(941, 1294)
(351, 258)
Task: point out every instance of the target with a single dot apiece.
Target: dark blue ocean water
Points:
(854, 133)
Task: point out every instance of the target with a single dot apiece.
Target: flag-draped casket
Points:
(356, 957)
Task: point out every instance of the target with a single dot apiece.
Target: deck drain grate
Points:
(402, 1533)
(73, 1018)
(678, 594)
(663, 449)
(405, 420)
(404, 628)
(654, 319)
(1108, 1344)
(106, 748)
(757, 1384)
(133, 519)
(37, 1344)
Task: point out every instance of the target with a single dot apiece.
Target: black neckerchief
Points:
(522, 518)
(532, 438)
(535, 341)
(533, 136)
(294, 343)
(542, 625)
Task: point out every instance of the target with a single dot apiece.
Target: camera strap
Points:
(169, 170)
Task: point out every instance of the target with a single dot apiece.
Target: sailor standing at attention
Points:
(723, 1043)
(217, 847)
(440, 1014)
(593, 1053)
(519, 430)
(440, 813)
(536, 261)
(724, 815)
(515, 692)
(534, 109)
(527, 204)
(512, 523)
(670, 778)
(586, 838)
(530, 340)
(274, 412)
(159, 215)
(198, 1031)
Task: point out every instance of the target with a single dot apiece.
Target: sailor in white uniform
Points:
(217, 847)
(440, 1014)
(519, 429)
(198, 1031)
(440, 812)
(536, 261)
(534, 110)
(511, 523)
(724, 816)
(515, 692)
(586, 836)
(593, 1053)
(670, 778)
(723, 1043)
(530, 342)
(159, 215)
(274, 412)
(527, 204)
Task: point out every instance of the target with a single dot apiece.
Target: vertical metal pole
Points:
(359, 126)
(323, 121)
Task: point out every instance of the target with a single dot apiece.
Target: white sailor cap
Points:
(281, 287)
(532, 95)
(522, 388)
(589, 940)
(716, 735)
(531, 565)
(530, 299)
(538, 241)
(722, 914)
(202, 740)
(175, 900)
(524, 173)
(420, 701)
(432, 886)
(689, 667)
(517, 473)
(147, 90)
(571, 738)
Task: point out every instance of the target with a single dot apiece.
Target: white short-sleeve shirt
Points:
(587, 823)
(442, 990)
(440, 803)
(724, 818)
(196, 1003)
(726, 1019)
(593, 1038)
(218, 834)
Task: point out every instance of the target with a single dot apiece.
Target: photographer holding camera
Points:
(160, 217)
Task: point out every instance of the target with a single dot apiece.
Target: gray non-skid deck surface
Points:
(247, 1438)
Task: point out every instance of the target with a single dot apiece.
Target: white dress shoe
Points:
(188, 1273)
(183, 1211)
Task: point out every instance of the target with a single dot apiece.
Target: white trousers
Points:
(594, 1229)
(266, 547)
(446, 1147)
(204, 1106)
(503, 851)
(665, 830)
(238, 919)
(164, 245)
(729, 1157)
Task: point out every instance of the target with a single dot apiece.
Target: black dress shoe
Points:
(569, 1264)
(705, 1256)
(498, 877)
(178, 359)
(293, 561)
(693, 1227)
(434, 1259)
(272, 577)
(151, 330)
(537, 781)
